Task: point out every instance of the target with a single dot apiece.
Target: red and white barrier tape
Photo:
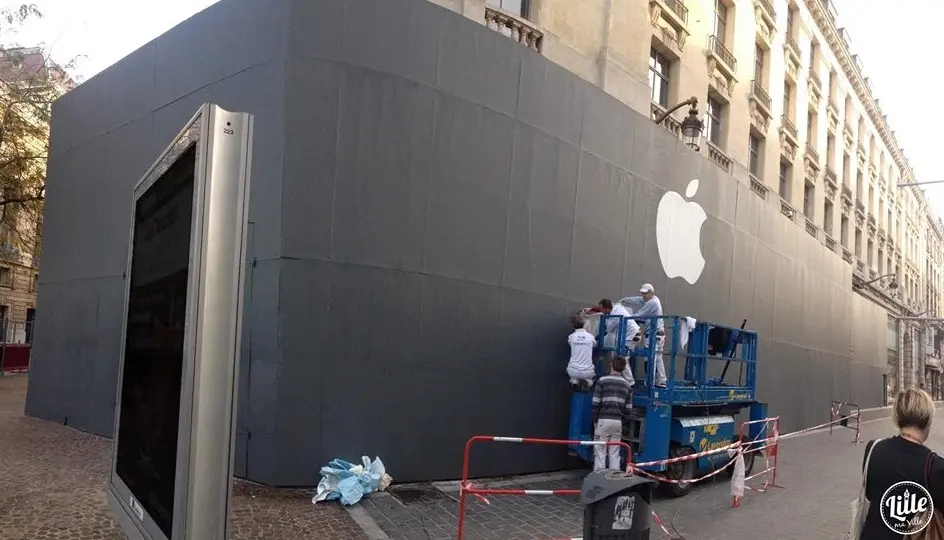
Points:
(738, 444)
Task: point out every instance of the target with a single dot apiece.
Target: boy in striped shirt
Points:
(612, 400)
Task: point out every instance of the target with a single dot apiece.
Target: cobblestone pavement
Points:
(52, 487)
(819, 473)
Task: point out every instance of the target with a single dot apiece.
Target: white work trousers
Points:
(660, 364)
(607, 430)
(660, 361)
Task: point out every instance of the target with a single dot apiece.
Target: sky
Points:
(899, 55)
(98, 33)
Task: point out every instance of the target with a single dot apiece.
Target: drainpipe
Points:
(901, 356)
(605, 50)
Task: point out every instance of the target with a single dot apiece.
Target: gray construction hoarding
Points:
(430, 201)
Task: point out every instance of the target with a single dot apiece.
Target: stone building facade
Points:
(788, 108)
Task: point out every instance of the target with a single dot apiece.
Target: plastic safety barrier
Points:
(770, 430)
(768, 442)
(847, 415)
(466, 488)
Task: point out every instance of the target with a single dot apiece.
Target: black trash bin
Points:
(616, 506)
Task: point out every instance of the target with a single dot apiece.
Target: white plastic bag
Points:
(349, 483)
(737, 479)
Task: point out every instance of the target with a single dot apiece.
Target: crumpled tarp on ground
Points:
(349, 483)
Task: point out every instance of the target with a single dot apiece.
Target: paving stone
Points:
(53, 478)
(819, 473)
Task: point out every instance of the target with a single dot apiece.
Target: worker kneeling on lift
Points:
(580, 369)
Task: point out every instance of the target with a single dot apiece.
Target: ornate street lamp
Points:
(692, 126)
(892, 285)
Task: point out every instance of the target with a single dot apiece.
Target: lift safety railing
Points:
(737, 346)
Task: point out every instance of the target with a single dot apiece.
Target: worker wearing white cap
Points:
(649, 305)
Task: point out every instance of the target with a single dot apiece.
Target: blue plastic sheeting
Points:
(580, 428)
(349, 483)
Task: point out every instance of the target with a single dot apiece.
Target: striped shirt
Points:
(611, 398)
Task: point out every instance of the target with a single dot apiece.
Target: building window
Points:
(658, 78)
(785, 173)
(858, 242)
(787, 98)
(754, 153)
(34, 282)
(791, 15)
(6, 277)
(814, 56)
(809, 199)
(713, 119)
(844, 231)
(811, 122)
(828, 218)
(721, 22)
(830, 150)
(515, 7)
(759, 65)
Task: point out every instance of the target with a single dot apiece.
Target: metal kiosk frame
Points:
(206, 424)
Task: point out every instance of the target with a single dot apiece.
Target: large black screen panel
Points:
(154, 342)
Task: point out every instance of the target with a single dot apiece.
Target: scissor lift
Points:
(691, 414)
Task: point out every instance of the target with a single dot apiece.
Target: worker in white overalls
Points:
(612, 330)
(649, 305)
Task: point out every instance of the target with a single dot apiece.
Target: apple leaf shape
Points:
(678, 237)
(692, 189)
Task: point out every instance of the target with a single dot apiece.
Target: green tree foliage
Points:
(29, 82)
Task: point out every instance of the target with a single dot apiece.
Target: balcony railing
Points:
(762, 96)
(758, 188)
(811, 228)
(792, 44)
(787, 210)
(677, 7)
(671, 125)
(768, 8)
(517, 29)
(860, 208)
(830, 176)
(847, 192)
(716, 155)
(847, 255)
(814, 78)
(812, 153)
(717, 48)
(789, 126)
(830, 243)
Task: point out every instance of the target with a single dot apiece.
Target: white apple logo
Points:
(678, 234)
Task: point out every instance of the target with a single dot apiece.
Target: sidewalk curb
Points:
(366, 523)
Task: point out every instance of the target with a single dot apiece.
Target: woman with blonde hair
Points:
(899, 459)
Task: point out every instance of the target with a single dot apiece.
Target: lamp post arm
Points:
(871, 281)
(914, 184)
(693, 101)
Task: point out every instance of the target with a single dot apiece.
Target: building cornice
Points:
(823, 15)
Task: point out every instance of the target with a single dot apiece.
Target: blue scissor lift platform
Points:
(690, 414)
